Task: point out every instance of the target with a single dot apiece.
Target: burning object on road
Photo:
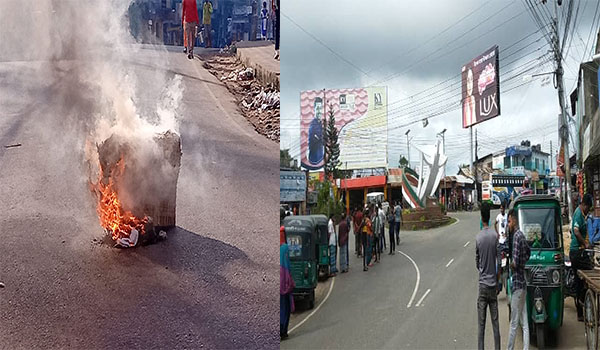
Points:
(137, 186)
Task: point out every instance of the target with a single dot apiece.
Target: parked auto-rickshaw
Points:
(323, 242)
(540, 221)
(302, 239)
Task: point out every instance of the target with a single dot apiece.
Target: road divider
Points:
(316, 309)
(412, 298)
(449, 262)
(423, 298)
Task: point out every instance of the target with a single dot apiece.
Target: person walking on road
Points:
(207, 11)
(382, 246)
(520, 256)
(579, 242)
(286, 286)
(275, 5)
(391, 237)
(366, 241)
(343, 231)
(264, 16)
(332, 247)
(500, 225)
(398, 221)
(358, 239)
(189, 18)
(376, 233)
(485, 259)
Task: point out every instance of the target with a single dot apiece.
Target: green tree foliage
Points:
(332, 147)
(326, 202)
(403, 162)
(286, 160)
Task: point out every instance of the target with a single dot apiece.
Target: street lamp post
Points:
(443, 134)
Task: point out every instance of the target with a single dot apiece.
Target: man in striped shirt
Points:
(520, 255)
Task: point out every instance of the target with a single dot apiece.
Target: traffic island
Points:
(424, 218)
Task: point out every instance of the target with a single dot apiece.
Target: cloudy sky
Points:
(417, 49)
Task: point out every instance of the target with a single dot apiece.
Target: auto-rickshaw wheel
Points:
(311, 299)
(590, 317)
(540, 333)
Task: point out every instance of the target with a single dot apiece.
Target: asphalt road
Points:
(211, 284)
(370, 310)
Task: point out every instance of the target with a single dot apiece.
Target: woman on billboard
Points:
(316, 149)
(469, 114)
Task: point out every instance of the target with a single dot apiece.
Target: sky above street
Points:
(417, 49)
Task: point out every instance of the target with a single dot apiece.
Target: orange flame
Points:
(113, 217)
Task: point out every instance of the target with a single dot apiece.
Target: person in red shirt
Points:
(189, 18)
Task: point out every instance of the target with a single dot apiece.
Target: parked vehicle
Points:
(321, 222)
(540, 221)
(302, 238)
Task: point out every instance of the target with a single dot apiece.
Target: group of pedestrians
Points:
(190, 20)
(368, 225)
(486, 258)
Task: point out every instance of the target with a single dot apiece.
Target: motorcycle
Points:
(504, 266)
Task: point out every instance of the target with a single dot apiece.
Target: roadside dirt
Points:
(258, 103)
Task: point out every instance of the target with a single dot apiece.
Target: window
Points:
(537, 164)
(543, 165)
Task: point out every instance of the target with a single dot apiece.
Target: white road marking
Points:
(423, 297)
(466, 244)
(412, 298)
(316, 309)
(449, 262)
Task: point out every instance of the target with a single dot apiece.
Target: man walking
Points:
(358, 220)
(189, 18)
(578, 244)
(382, 245)
(376, 233)
(520, 256)
(391, 231)
(343, 231)
(485, 259)
(207, 10)
(398, 221)
(500, 226)
(367, 232)
(332, 247)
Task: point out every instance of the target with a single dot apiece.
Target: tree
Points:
(332, 147)
(286, 160)
(326, 201)
(403, 162)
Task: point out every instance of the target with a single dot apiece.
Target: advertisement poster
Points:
(481, 88)
(360, 118)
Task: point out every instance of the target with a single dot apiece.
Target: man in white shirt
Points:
(332, 247)
(501, 225)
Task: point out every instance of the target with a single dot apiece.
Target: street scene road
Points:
(210, 284)
(379, 309)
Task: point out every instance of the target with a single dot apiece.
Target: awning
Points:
(363, 182)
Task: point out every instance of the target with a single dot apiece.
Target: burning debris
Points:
(259, 103)
(137, 187)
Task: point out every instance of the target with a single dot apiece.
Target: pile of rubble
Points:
(259, 103)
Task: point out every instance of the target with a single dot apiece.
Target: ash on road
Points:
(211, 284)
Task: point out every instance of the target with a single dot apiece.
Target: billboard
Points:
(361, 120)
(481, 88)
(292, 186)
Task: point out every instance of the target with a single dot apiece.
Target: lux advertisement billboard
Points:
(481, 88)
(360, 118)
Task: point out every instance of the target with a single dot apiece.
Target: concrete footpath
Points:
(259, 56)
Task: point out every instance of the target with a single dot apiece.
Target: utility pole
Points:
(564, 123)
(407, 147)
(324, 136)
(443, 133)
(550, 156)
(476, 181)
(471, 149)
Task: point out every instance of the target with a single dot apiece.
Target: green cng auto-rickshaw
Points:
(321, 222)
(301, 236)
(540, 221)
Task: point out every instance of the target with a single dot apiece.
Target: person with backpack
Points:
(520, 255)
